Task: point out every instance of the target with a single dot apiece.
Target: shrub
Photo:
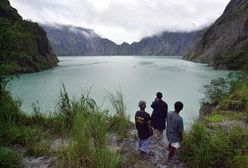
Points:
(217, 148)
(238, 98)
(9, 158)
(216, 90)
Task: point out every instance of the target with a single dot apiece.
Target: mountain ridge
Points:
(224, 45)
(62, 39)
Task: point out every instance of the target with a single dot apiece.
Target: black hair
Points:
(178, 106)
(159, 95)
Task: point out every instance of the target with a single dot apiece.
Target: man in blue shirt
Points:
(174, 130)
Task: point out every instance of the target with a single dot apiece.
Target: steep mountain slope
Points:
(70, 40)
(24, 45)
(225, 44)
(168, 43)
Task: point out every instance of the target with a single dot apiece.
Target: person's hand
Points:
(181, 139)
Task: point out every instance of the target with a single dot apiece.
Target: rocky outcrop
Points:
(6, 11)
(207, 109)
(70, 40)
(224, 45)
(24, 45)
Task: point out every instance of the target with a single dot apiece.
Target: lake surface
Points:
(137, 77)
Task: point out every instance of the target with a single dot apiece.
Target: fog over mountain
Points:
(70, 40)
(224, 45)
(124, 20)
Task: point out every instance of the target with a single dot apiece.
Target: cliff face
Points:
(24, 45)
(225, 44)
(70, 40)
(166, 44)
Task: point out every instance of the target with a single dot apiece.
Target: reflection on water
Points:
(137, 77)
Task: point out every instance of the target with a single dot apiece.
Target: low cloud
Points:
(124, 20)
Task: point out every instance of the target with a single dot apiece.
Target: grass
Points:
(88, 146)
(81, 121)
(38, 149)
(120, 122)
(216, 146)
(241, 161)
(9, 158)
(215, 118)
(203, 149)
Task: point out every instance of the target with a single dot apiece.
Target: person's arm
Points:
(150, 127)
(154, 103)
(181, 136)
(166, 111)
(149, 124)
(135, 120)
(180, 129)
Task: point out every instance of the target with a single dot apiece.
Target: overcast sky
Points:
(124, 20)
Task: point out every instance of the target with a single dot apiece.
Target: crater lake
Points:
(137, 77)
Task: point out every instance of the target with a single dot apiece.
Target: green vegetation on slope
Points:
(220, 139)
(224, 44)
(24, 46)
(8, 12)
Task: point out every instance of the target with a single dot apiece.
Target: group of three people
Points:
(155, 124)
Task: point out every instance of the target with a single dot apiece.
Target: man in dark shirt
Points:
(174, 131)
(159, 114)
(143, 125)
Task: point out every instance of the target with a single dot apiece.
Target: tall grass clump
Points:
(65, 108)
(203, 148)
(120, 122)
(88, 147)
(196, 147)
(10, 115)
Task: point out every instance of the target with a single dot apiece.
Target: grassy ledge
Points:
(220, 138)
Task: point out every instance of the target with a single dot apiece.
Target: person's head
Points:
(142, 105)
(178, 106)
(159, 95)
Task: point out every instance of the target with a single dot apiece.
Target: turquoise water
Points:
(137, 77)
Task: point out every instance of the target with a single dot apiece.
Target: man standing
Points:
(174, 130)
(143, 125)
(159, 114)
